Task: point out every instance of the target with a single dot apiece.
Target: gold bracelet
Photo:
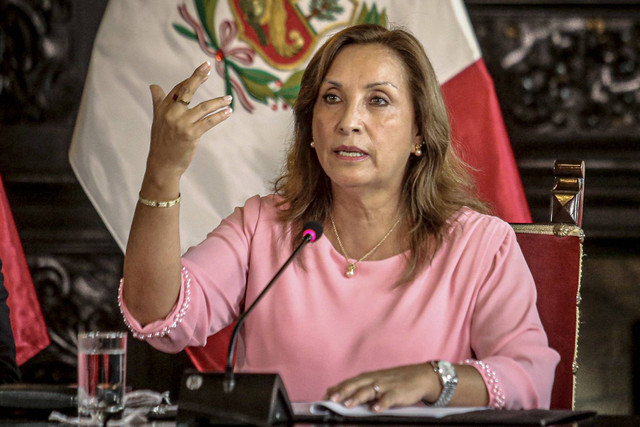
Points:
(156, 204)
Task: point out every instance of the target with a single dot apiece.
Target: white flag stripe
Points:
(137, 45)
(443, 28)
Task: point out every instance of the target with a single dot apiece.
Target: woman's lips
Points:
(350, 152)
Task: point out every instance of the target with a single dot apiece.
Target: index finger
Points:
(185, 90)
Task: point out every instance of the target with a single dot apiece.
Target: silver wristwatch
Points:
(448, 376)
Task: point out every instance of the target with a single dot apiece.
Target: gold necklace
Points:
(351, 268)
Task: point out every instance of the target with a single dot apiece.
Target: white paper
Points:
(326, 407)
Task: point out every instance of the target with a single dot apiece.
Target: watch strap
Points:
(448, 377)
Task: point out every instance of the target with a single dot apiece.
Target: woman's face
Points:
(363, 120)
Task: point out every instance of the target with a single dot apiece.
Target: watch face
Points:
(448, 370)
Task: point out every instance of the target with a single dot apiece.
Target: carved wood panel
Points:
(77, 292)
(37, 47)
(567, 75)
(76, 266)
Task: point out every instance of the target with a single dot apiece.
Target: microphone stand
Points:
(239, 399)
(230, 382)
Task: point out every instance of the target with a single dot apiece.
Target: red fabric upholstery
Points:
(555, 263)
(213, 356)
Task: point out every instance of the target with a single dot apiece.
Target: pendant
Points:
(351, 270)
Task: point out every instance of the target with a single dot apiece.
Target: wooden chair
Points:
(554, 254)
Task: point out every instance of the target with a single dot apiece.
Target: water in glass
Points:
(101, 373)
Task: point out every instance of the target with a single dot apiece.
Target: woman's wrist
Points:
(448, 378)
(160, 187)
(434, 387)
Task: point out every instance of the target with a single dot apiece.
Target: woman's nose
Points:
(351, 120)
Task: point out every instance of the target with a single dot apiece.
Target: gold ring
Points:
(376, 390)
(181, 101)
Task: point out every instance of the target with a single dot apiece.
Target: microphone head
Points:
(312, 229)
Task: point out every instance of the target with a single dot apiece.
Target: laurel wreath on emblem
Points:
(233, 64)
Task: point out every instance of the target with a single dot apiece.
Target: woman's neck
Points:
(362, 220)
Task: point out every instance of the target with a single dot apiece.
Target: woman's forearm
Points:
(151, 282)
(471, 389)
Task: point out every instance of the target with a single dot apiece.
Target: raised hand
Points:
(177, 129)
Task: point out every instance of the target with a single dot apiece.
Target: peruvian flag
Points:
(27, 323)
(141, 42)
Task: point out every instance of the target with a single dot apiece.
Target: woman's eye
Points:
(331, 98)
(377, 100)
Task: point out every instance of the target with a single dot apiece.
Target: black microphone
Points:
(251, 398)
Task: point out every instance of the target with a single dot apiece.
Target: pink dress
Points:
(474, 303)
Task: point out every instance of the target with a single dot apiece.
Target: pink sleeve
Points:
(213, 285)
(516, 362)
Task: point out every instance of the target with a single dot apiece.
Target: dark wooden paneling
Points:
(45, 58)
(567, 75)
(75, 263)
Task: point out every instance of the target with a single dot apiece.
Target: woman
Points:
(414, 294)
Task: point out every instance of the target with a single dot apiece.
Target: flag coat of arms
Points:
(258, 50)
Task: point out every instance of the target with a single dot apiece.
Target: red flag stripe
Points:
(482, 141)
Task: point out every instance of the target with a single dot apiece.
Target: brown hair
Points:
(436, 184)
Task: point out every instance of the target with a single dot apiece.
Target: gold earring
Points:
(418, 151)
(313, 144)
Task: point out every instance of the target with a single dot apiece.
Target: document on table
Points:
(327, 407)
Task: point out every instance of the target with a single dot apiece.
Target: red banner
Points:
(27, 322)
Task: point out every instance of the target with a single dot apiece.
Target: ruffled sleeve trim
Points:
(497, 397)
(160, 328)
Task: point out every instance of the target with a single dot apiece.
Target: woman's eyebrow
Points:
(333, 83)
(374, 84)
(368, 86)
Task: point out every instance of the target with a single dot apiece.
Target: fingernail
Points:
(334, 397)
(205, 65)
(376, 408)
(228, 98)
(348, 402)
(228, 111)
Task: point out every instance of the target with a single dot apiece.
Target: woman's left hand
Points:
(401, 386)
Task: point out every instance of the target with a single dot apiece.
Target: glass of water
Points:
(102, 369)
